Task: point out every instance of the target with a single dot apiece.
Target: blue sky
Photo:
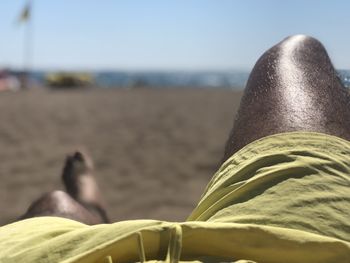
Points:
(168, 34)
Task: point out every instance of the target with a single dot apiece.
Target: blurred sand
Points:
(154, 150)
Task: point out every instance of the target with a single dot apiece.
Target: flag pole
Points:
(28, 47)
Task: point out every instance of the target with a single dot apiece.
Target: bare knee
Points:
(301, 41)
(293, 87)
(53, 203)
(61, 204)
(305, 50)
(301, 52)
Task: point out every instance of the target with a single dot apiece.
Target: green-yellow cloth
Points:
(283, 198)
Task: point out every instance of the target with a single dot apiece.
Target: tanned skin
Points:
(82, 200)
(293, 87)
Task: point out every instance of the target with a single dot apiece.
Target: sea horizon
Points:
(233, 79)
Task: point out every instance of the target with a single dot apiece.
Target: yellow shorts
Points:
(283, 198)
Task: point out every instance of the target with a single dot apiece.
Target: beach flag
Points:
(25, 13)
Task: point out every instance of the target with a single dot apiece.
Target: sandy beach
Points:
(154, 150)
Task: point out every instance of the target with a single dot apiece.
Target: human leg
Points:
(81, 202)
(293, 87)
(60, 204)
(278, 181)
(81, 185)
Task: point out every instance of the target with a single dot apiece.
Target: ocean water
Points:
(234, 79)
(344, 76)
(178, 79)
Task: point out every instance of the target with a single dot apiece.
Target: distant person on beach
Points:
(282, 193)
